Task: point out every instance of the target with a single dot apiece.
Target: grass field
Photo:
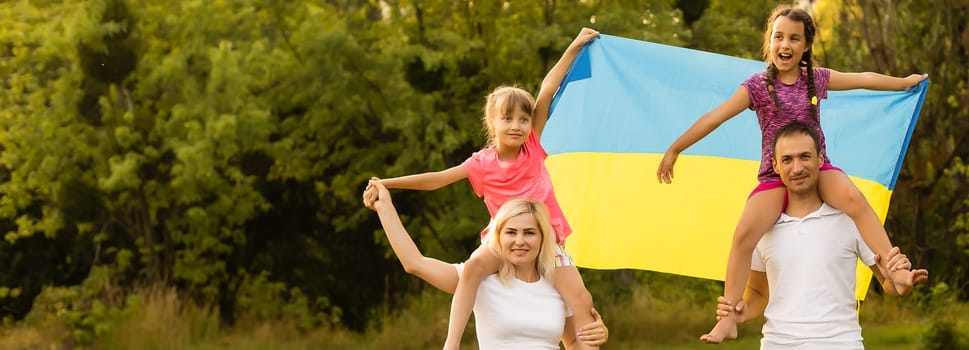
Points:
(668, 320)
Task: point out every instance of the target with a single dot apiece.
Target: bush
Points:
(260, 300)
(944, 334)
(947, 324)
(86, 311)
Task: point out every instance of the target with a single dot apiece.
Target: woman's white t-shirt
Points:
(520, 315)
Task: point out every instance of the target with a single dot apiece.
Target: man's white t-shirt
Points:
(810, 264)
(520, 315)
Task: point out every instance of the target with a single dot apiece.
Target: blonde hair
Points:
(503, 101)
(546, 254)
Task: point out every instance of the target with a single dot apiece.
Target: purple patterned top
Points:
(794, 104)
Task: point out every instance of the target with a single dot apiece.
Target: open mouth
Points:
(785, 57)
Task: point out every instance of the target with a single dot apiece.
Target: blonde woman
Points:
(518, 307)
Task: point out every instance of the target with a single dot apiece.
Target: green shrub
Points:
(87, 310)
(944, 334)
(260, 300)
(948, 324)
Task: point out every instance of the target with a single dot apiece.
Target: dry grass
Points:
(672, 319)
(162, 321)
(156, 319)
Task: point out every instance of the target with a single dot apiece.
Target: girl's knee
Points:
(746, 236)
(842, 194)
(854, 202)
(753, 224)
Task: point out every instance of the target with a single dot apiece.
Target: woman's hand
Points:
(595, 333)
(376, 195)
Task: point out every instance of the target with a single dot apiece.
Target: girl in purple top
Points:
(790, 89)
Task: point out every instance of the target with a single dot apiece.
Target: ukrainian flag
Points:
(625, 101)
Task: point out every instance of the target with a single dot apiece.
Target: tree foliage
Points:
(927, 217)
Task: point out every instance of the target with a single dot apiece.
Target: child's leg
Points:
(759, 216)
(481, 264)
(838, 191)
(568, 282)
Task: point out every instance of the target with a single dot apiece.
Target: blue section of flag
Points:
(630, 96)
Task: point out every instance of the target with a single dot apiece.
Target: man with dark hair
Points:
(803, 271)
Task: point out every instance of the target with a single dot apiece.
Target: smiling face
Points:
(798, 163)
(787, 44)
(524, 241)
(508, 117)
(512, 128)
(788, 35)
(521, 241)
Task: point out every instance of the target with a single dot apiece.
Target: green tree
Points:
(200, 144)
(927, 217)
(734, 28)
(35, 179)
(194, 152)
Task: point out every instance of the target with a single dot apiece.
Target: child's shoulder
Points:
(760, 74)
(758, 77)
(822, 70)
(486, 152)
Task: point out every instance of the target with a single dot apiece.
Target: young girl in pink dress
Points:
(511, 166)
